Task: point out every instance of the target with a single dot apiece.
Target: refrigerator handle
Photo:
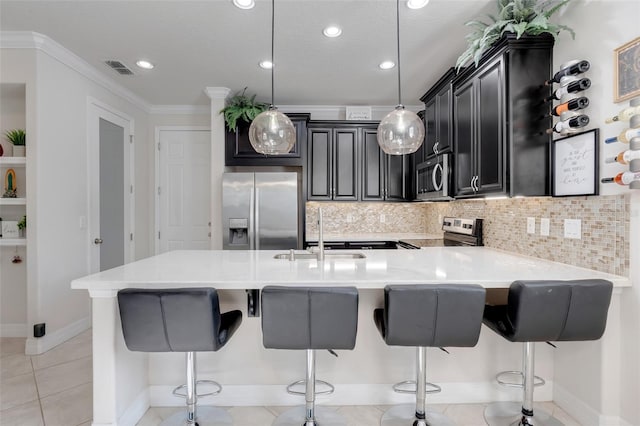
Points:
(252, 225)
(256, 232)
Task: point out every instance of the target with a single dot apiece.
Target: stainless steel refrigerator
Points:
(260, 211)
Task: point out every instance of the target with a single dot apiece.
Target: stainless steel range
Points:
(457, 232)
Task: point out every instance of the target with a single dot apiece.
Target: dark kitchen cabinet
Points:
(384, 177)
(438, 116)
(239, 152)
(332, 163)
(499, 140)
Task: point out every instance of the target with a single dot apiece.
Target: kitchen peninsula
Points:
(126, 383)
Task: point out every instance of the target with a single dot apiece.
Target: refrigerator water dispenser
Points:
(239, 232)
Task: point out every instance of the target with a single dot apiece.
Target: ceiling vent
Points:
(118, 67)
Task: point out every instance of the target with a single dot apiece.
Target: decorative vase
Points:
(7, 150)
(18, 150)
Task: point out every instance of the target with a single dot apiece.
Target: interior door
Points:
(183, 192)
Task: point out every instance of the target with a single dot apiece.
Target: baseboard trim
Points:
(583, 413)
(136, 410)
(348, 394)
(36, 346)
(13, 330)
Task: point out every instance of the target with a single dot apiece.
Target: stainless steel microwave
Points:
(433, 179)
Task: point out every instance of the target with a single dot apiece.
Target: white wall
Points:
(601, 26)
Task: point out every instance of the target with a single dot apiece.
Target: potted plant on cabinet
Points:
(22, 226)
(241, 107)
(18, 138)
(522, 17)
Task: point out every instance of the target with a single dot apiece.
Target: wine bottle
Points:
(574, 69)
(624, 115)
(574, 86)
(572, 105)
(624, 157)
(624, 178)
(625, 136)
(570, 124)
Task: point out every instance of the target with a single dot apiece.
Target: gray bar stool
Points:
(309, 318)
(544, 311)
(424, 315)
(179, 320)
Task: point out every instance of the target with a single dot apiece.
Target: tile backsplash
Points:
(604, 245)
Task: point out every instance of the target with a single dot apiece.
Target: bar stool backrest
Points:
(429, 315)
(171, 320)
(558, 310)
(309, 317)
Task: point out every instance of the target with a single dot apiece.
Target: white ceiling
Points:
(196, 44)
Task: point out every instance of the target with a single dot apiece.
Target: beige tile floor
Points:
(55, 389)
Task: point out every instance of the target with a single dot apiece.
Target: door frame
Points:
(95, 111)
(156, 149)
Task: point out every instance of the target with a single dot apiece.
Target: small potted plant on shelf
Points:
(522, 17)
(18, 138)
(241, 107)
(22, 226)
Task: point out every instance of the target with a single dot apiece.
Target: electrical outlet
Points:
(573, 228)
(382, 218)
(545, 224)
(349, 218)
(531, 225)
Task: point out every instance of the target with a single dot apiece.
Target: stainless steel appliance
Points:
(260, 211)
(457, 232)
(433, 179)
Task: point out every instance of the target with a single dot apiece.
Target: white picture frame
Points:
(10, 229)
(575, 164)
(358, 113)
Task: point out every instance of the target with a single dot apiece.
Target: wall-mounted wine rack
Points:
(572, 83)
(630, 156)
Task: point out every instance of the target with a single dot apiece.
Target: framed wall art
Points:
(627, 71)
(575, 164)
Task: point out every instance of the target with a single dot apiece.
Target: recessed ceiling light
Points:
(145, 64)
(332, 31)
(267, 65)
(416, 4)
(244, 4)
(387, 65)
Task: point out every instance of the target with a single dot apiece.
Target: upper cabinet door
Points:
(320, 167)
(430, 127)
(372, 166)
(443, 119)
(490, 120)
(345, 164)
(464, 136)
(396, 177)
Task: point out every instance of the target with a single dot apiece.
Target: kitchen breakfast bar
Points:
(126, 383)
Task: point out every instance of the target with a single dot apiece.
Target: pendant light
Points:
(272, 132)
(401, 131)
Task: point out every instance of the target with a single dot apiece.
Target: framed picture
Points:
(358, 113)
(575, 164)
(627, 71)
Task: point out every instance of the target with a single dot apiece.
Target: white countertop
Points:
(373, 236)
(238, 270)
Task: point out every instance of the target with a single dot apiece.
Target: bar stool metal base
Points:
(510, 414)
(405, 415)
(296, 417)
(205, 416)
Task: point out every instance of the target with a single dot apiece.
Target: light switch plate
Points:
(545, 224)
(573, 228)
(531, 225)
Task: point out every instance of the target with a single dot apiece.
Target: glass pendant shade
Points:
(272, 133)
(400, 132)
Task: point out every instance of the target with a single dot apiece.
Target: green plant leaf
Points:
(241, 107)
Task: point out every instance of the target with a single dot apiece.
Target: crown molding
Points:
(338, 112)
(217, 92)
(33, 40)
(181, 109)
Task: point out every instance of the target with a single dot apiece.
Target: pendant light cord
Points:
(273, 14)
(398, 49)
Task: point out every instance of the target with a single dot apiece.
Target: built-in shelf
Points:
(13, 241)
(13, 161)
(13, 201)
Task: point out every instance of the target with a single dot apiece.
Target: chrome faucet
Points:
(320, 236)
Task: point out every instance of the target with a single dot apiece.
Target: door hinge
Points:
(158, 234)
(158, 146)
(130, 138)
(130, 189)
(131, 237)
(158, 190)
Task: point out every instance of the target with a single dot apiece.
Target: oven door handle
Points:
(437, 185)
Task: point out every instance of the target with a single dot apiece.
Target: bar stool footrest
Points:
(501, 379)
(178, 390)
(328, 391)
(401, 387)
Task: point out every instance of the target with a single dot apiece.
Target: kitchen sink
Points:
(303, 256)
